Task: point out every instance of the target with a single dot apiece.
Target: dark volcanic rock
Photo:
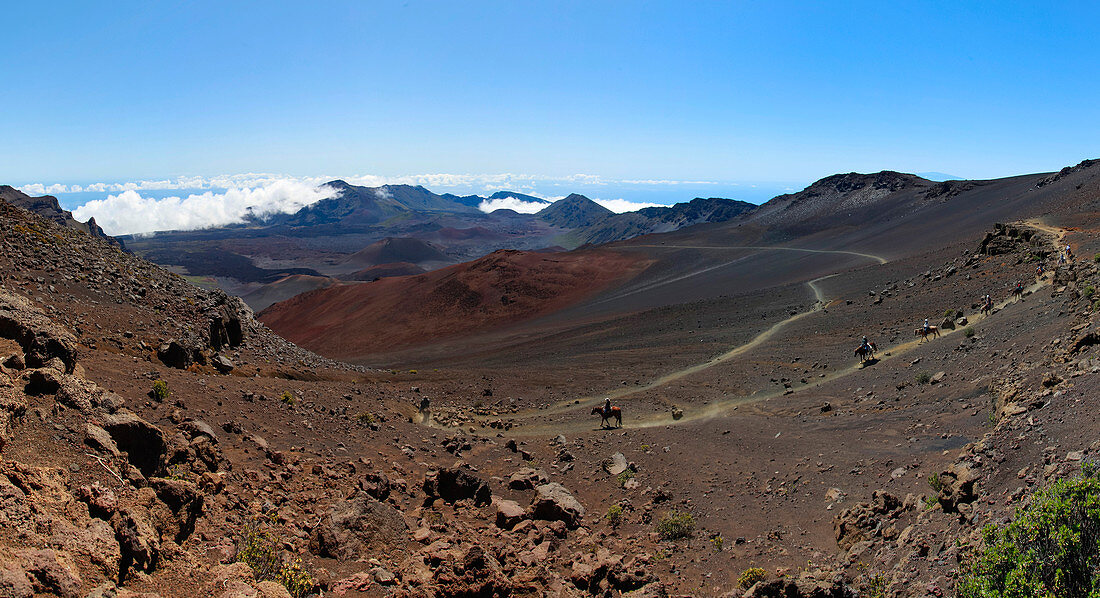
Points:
(456, 484)
(555, 503)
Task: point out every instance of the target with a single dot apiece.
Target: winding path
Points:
(716, 408)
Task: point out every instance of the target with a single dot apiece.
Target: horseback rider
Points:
(866, 346)
(607, 405)
(927, 328)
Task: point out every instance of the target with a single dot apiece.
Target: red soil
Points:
(502, 287)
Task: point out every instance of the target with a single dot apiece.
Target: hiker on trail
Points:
(1039, 271)
(1069, 252)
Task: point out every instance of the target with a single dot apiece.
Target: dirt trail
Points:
(723, 406)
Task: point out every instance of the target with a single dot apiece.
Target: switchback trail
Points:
(722, 406)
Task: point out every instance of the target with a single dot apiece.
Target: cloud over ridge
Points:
(141, 206)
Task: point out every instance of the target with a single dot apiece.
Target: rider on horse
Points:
(927, 328)
(866, 346)
(607, 405)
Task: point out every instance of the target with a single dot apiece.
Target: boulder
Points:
(222, 364)
(138, 540)
(615, 464)
(185, 501)
(354, 526)
(175, 355)
(957, 487)
(98, 438)
(554, 503)
(509, 513)
(455, 484)
(527, 478)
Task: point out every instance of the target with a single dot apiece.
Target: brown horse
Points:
(866, 353)
(923, 334)
(614, 412)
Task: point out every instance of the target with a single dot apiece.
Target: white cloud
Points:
(129, 212)
(625, 205)
(529, 207)
(511, 203)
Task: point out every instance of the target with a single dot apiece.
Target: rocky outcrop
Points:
(40, 338)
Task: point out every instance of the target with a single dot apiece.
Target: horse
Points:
(613, 412)
(923, 333)
(1017, 293)
(866, 353)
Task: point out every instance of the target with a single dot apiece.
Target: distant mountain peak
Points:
(574, 211)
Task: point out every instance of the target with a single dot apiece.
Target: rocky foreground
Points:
(156, 440)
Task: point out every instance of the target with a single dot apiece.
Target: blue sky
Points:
(731, 93)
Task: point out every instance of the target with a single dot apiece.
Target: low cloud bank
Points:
(130, 213)
(530, 207)
(130, 209)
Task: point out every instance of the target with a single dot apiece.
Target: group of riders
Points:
(866, 349)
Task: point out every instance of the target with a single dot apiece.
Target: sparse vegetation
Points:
(160, 391)
(935, 483)
(1052, 548)
(749, 577)
(968, 332)
(1088, 291)
(258, 547)
(949, 313)
(366, 418)
(717, 541)
(615, 515)
(924, 378)
(676, 525)
(287, 398)
(876, 586)
(624, 477)
(1096, 258)
(645, 447)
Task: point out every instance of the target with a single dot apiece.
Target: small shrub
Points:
(1088, 291)
(288, 398)
(645, 447)
(935, 482)
(1051, 548)
(615, 515)
(1096, 258)
(930, 502)
(968, 332)
(949, 313)
(676, 525)
(160, 391)
(412, 371)
(749, 577)
(258, 547)
(366, 418)
(717, 541)
(924, 378)
(876, 586)
(624, 477)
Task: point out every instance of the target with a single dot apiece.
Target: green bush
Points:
(949, 313)
(288, 398)
(624, 477)
(934, 482)
(1096, 258)
(751, 576)
(615, 515)
(676, 525)
(1052, 548)
(924, 378)
(160, 391)
(258, 547)
(968, 332)
(1088, 291)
